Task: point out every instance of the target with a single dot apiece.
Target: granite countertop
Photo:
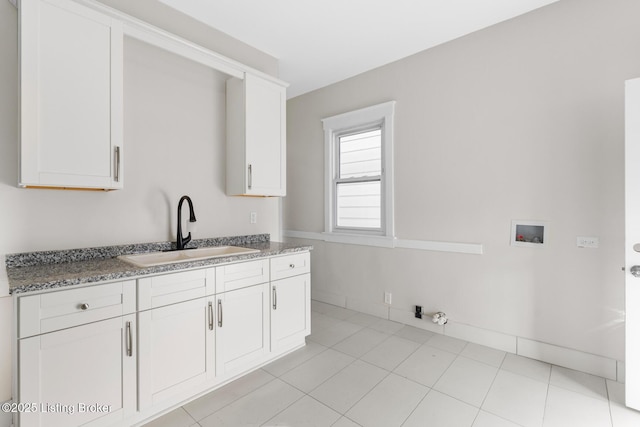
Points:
(39, 271)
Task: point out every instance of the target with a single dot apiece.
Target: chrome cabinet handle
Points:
(210, 316)
(84, 306)
(292, 266)
(116, 176)
(129, 340)
(275, 298)
(250, 176)
(635, 271)
(220, 313)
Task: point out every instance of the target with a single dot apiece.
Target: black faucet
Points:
(180, 241)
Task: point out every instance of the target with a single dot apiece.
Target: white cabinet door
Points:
(242, 332)
(632, 239)
(68, 372)
(256, 137)
(290, 312)
(71, 96)
(176, 349)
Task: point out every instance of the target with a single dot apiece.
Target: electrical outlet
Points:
(587, 242)
(418, 312)
(387, 298)
(254, 217)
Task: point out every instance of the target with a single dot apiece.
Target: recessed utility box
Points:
(528, 233)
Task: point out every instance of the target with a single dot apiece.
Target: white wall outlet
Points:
(253, 217)
(587, 242)
(387, 298)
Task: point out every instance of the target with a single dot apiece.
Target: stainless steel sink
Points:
(160, 258)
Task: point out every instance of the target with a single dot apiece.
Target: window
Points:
(357, 180)
(359, 175)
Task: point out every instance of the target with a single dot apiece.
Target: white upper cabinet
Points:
(71, 87)
(71, 96)
(256, 137)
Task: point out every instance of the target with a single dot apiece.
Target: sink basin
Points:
(160, 258)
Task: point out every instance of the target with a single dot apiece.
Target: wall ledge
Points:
(424, 245)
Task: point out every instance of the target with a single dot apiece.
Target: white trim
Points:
(328, 297)
(158, 37)
(632, 236)
(569, 358)
(180, 47)
(356, 239)
(388, 242)
(409, 318)
(368, 307)
(381, 114)
(486, 337)
(620, 370)
(561, 356)
(426, 245)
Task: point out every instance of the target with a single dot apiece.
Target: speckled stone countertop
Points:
(38, 271)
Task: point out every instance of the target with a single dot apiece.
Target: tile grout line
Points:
(389, 372)
(235, 400)
(546, 399)
(414, 409)
(606, 384)
(285, 408)
(189, 415)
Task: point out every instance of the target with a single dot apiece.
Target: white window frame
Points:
(380, 115)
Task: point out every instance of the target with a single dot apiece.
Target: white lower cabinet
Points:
(176, 350)
(85, 375)
(242, 333)
(290, 311)
(116, 354)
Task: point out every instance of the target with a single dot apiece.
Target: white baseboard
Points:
(409, 318)
(569, 358)
(621, 371)
(329, 298)
(562, 356)
(378, 310)
(481, 336)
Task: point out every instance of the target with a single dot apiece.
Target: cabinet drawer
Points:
(236, 276)
(172, 288)
(39, 314)
(290, 265)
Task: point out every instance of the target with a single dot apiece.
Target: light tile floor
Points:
(359, 370)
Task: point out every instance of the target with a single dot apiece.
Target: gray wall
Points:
(174, 114)
(522, 120)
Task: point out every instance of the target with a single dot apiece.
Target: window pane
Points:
(360, 154)
(358, 205)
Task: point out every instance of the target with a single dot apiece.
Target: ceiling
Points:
(319, 43)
